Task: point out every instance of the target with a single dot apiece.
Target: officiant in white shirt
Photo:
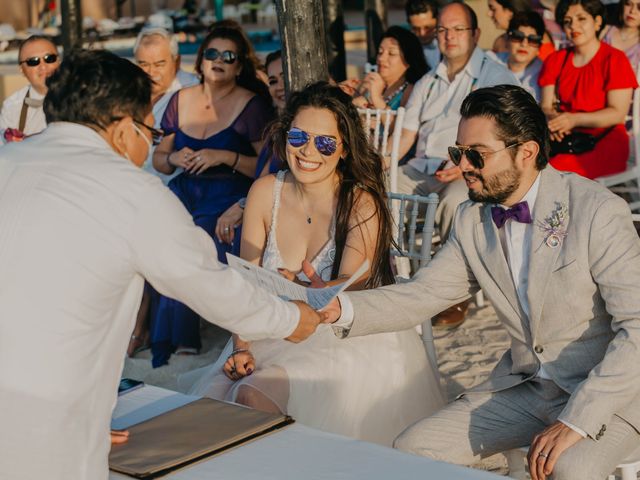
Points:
(80, 226)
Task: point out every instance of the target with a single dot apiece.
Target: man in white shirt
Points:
(421, 16)
(156, 52)
(559, 258)
(22, 112)
(81, 227)
(432, 115)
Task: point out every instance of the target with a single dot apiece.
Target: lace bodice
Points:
(272, 260)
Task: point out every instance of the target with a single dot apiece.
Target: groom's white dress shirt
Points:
(80, 229)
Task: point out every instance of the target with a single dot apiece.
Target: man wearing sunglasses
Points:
(431, 120)
(81, 228)
(156, 52)
(559, 258)
(22, 113)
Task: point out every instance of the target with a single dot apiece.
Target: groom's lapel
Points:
(493, 257)
(552, 194)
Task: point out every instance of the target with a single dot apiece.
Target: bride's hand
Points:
(119, 436)
(239, 365)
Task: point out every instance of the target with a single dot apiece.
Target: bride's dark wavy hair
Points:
(359, 169)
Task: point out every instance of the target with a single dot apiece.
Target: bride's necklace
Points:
(304, 207)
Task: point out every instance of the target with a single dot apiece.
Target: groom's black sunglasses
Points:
(475, 158)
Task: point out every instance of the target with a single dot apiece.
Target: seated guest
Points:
(156, 52)
(22, 113)
(625, 35)
(593, 83)
(328, 213)
(421, 17)
(501, 12)
(229, 222)
(213, 131)
(524, 39)
(400, 65)
(432, 117)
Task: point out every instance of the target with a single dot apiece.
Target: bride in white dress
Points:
(330, 211)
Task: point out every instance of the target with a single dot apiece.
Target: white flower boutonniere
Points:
(555, 225)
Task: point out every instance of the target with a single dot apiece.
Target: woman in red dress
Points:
(593, 83)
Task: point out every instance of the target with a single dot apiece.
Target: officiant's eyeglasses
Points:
(156, 135)
(35, 61)
(475, 158)
(325, 144)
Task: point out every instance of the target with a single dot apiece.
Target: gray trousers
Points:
(415, 182)
(481, 424)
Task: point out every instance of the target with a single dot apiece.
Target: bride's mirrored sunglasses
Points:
(325, 144)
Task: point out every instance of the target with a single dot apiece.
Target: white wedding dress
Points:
(370, 387)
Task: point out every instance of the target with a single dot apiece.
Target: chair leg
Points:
(515, 460)
(480, 299)
(629, 472)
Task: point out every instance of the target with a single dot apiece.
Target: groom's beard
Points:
(496, 188)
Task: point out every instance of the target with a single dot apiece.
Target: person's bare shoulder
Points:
(260, 195)
(364, 207)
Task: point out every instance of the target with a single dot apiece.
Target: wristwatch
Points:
(242, 202)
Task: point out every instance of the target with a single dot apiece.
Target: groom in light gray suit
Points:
(559, 258)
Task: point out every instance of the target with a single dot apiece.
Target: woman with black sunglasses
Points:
(586, 93)
(524, 35)
(213, 132)
(22, 112)
(328, 213)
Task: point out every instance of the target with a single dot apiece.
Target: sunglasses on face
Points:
(475, 158)
(325, 144)
(227, 56)
(519, 37)
(156, 135)
(35, 61)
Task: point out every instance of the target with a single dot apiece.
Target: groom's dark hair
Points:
(517, 115)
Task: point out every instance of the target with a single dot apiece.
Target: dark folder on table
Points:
(188, 434)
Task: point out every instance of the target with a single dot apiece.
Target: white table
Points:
(299, 452)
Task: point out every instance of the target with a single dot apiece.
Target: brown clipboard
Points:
(189, 434)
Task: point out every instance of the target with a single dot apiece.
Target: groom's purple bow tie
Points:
(519, 212)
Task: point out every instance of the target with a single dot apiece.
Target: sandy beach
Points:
(466, 355)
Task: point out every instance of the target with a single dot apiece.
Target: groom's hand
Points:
(309, 320)
(547, 446)
(333, 311)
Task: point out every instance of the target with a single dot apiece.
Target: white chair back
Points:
(408, 249)
(377, 126)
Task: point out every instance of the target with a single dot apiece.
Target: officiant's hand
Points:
(547, 446)
(309, 321)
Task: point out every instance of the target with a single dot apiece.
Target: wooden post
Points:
(375, 17)
(334, 35)
(304, 58)
(71, 24)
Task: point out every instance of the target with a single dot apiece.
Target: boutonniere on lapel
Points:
(555, 225)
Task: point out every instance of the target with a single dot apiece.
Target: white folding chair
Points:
(379, 136)
(629, 181)
(409, 249)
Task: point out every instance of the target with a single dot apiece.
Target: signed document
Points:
(274, 283)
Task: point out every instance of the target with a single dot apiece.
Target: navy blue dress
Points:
(206, 196)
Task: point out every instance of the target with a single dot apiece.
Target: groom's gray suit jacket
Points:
(584, 299)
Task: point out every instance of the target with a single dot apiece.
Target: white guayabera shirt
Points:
(80, 227)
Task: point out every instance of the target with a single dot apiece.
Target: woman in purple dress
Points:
(213, 132)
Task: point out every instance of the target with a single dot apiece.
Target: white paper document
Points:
(276, 284)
